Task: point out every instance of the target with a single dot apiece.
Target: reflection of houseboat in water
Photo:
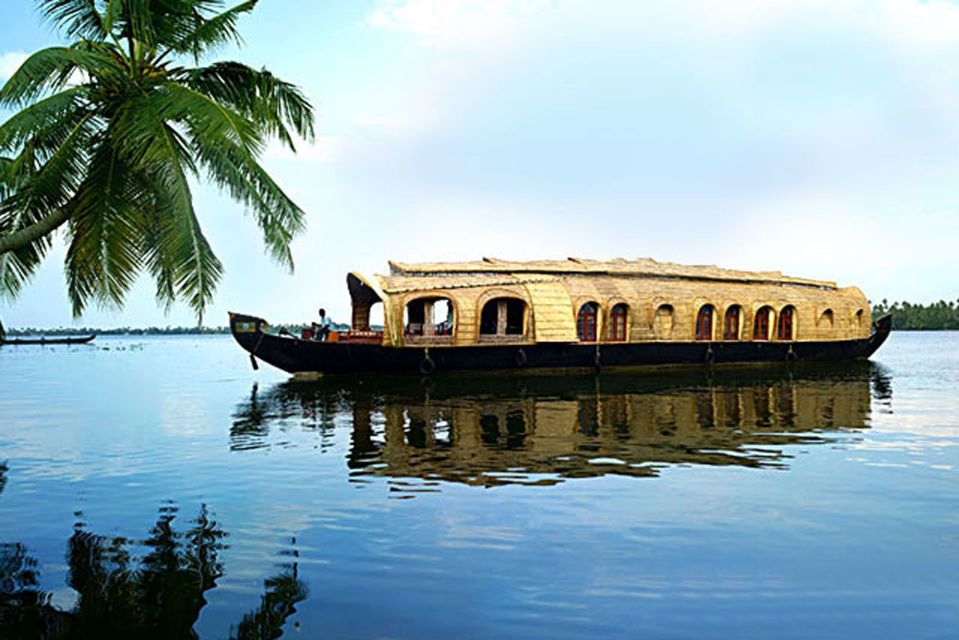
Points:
(577, 313)
(539, 430)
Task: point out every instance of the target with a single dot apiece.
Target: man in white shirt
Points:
(321, 329)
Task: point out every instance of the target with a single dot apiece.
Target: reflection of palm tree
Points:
(276, 605)
(160, 596)
(25, 611)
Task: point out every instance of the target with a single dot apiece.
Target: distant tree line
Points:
(905, 315)
(118, 331)
(148, 331)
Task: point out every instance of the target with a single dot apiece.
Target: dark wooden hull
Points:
(46, 341)
(302, 356)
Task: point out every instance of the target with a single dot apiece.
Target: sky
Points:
(816, 137)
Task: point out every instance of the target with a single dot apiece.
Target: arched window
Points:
(857, 319)
(617, 323)
(731, 324)
(826, 320)
(704, 322)
(502, 317)
(586, 322)
(663, 322)
(429, 318)
(787, 323)
(761, 324)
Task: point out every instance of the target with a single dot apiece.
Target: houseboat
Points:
(496, 314)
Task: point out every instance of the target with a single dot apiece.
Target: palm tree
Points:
(112, 131)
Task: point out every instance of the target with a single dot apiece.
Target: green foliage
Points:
(938, 315)
(118, 331)
(111, 131)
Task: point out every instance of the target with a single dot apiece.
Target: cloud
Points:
(818, 121)
(10, 62)
(457, 22)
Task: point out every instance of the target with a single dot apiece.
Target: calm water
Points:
(158, 487)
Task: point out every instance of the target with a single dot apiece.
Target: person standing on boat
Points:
(321, 329)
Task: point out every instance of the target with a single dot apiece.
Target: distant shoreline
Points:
(120, 331)
(142, 331)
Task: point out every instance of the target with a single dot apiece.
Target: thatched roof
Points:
(407, 283)
(521, 270)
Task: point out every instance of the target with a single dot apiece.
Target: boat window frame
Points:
(613, 321)
(580, 316)
(786, 316)
(770, 313)
(502, 337)
(698, 335)
(738, 309)
(423, 338)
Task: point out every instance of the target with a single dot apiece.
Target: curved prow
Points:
(248, 332)
(880, 331)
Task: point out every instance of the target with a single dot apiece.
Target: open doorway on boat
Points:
(367, 318)
(502, 319)
(428, 319)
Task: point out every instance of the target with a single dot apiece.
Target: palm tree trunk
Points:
(23, 237)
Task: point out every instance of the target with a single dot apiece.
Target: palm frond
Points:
(42, 117)
(6, 177)
(103, 258)
(34, 197)
(50, 69)
(157, 239)
(18, 266)
(210, 33)
(77, 18)
(195, 269)
(113, 155)
(205, 118)
(50, 186)
(238, 173)
(227, 145)
(258, 95)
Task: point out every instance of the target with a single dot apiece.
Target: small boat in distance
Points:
(48, 341)
(576, 314)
